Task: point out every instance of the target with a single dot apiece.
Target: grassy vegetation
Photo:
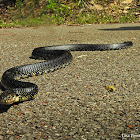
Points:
(39, 12)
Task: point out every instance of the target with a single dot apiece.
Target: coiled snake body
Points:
(56, 57)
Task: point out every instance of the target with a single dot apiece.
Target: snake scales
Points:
(56, 57)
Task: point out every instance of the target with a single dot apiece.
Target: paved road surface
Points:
(73, 102)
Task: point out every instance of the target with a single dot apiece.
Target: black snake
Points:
(56, 57)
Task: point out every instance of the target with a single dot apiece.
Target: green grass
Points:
(34, 21)
(53, 12)
(83, 18)
(26, 22)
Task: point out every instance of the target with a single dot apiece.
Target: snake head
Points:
(7, 98)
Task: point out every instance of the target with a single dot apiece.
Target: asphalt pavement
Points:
(73, 103)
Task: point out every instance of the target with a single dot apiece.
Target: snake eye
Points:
(2, 101)
(6, 98)
(5, 101)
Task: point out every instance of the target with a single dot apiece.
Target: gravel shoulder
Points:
(73, 102)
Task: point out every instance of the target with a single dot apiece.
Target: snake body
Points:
(56, 57)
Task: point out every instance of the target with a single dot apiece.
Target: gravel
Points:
(73, 103)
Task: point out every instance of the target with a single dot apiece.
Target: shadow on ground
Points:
(122, 28)
(4, 108)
